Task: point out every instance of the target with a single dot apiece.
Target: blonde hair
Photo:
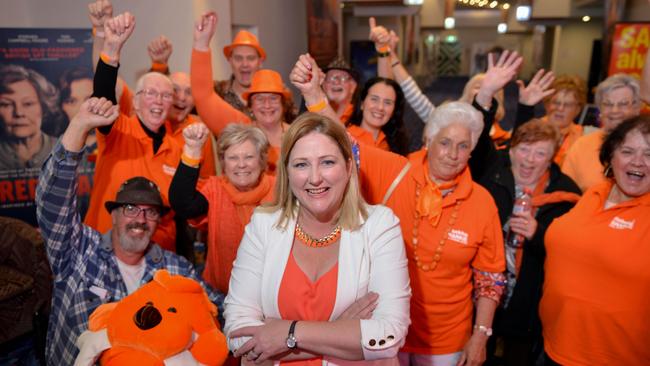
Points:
(237, 133)
(353, 208)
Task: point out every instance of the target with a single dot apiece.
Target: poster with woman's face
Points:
(45, 75)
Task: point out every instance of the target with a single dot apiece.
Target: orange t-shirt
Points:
(301, 299)
(441, 304)
(213, 110)
(208, 168)
(229, 211)
(594, 310)
(581, 162)
(126, 152)
(365, 137)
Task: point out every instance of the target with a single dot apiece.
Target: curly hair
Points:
(615, 138)
(394, 129)
(570, 83)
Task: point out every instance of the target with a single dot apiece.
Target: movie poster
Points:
(45, 75)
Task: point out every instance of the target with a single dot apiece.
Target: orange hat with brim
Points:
(266, 81)
(244, 38)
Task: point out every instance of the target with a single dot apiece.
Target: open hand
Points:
(498, 75)
(537, 89)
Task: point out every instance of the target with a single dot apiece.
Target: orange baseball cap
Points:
(266, 81)
(245, 38)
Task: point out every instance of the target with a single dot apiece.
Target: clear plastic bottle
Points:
(522, 204)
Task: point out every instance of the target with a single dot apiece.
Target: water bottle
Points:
(522, 204)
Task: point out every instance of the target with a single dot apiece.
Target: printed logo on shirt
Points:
(458, 236)
(168, 169)
(620, 224)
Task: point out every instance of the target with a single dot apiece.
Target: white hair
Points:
(451, 113)
(139, 85)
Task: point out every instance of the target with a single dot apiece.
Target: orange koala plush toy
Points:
(168, 321)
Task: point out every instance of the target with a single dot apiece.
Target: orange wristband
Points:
(105, 58)
(190, 161)
(318, 106)
(383, 49)
(159, 67)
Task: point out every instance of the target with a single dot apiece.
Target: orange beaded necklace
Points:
(426, 267)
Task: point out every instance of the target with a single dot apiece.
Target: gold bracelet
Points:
(190, 161)
(315, 108)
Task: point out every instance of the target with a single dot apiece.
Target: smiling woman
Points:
(588, 316)
(320, 275)
(28, 106)
(222, 204)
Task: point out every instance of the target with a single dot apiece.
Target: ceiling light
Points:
(586, 18)
(450, 22)
(506, 6)
(494, 4)
(523, 13)
(502, 28)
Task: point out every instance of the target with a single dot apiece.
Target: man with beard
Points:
(340, 86)
(90, 268)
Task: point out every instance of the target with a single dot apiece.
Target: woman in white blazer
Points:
(303, 281)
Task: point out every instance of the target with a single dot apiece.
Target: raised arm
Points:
(99, 13)
(159, 50)
(307, 77)
(184, 198)
(380, 36)
(214, 111)
(56, 211)
(496, 77)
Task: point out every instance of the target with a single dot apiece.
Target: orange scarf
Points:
(429, 203)
(232, 212)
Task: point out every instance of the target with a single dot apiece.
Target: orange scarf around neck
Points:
(429, 203)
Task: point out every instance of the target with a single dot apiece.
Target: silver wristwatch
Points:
(292, 343)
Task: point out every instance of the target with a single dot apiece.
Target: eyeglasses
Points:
(153, 94)
(273, 99)
(558, 104)
(609, 105)
(133, 211)
(337, 78)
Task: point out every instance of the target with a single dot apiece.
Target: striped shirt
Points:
(83, 265)
(416, 99)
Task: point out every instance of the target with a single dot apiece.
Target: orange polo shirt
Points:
(213, 110)
(126, 152)
(441, 305)
(208, 168)
(581, 162)
(364, 136)
(594, 310)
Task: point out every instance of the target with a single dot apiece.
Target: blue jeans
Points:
(21, 354)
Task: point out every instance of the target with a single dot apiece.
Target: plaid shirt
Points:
(85, 270)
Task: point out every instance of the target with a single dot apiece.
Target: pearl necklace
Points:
(426, 267)
(312, 242)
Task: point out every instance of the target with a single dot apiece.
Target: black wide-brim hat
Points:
(138, 191)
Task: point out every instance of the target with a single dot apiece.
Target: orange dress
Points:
(301, 299)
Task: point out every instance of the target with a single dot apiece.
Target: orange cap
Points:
(244, 38)
(266, 81)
